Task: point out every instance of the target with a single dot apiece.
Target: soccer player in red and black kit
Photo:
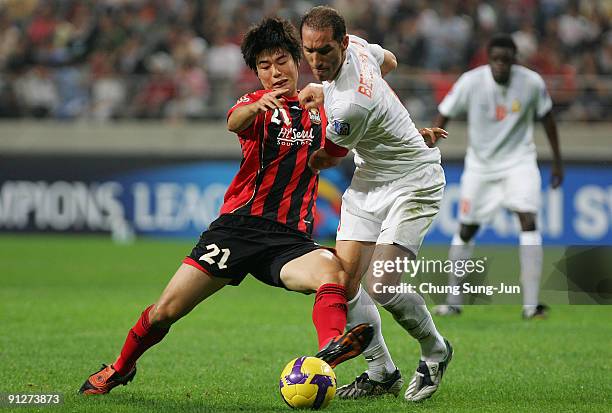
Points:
(266, 219)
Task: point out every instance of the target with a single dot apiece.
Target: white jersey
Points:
(500, 118)
(365, 115)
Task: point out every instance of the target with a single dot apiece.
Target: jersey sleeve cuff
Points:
(335, 150)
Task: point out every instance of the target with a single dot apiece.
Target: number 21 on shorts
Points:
(214, 251)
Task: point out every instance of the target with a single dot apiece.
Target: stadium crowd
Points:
(180, 59)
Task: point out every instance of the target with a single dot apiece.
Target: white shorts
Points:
(518, 189)
(396, 212)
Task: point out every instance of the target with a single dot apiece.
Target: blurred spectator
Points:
(446, 35)
(225, 65)
(108, 91)
(575, 30)
(72, 92)
(560, 77)
(594, 92)
(526, 41)
(36, 92)
(9, 39)
(158, 90)
(192, 86)
(604, 56)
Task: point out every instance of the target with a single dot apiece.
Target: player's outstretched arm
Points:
(550, 126)
(243, 116)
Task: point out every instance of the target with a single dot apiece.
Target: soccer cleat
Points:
(540, 312)
(348, 345)
(105, 379)
(427, 377)
(447, 310)
(363, 386)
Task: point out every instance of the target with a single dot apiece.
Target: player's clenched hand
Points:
(271, 100)
(432, 135)
(556, 176)
(320, 159)
(311, 97)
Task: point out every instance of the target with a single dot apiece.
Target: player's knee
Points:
(467, 232)
(164, 314)
(336, 276)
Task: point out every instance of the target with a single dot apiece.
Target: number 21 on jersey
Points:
(214, 252)
(283, 113)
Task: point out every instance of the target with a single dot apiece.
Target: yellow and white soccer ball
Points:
(307, 383)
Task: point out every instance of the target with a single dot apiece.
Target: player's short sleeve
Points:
(456, 100)
(543, 101)
(378, 52)
(347, 123)
(249, 98)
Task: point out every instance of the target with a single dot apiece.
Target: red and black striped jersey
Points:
(274, 180)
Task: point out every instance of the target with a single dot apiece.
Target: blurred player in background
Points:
(502, 101)
(266, 219)
(393, 198)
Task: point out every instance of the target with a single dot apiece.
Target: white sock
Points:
(361, 309)
(410, 311)
(531, 256)
(459, 250)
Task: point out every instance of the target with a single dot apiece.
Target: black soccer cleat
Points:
(348, 345)
(363, 386)
(105, 379)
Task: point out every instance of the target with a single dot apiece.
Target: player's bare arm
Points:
(243, 117)
(389, 63)
(550, 126)
(311, 97)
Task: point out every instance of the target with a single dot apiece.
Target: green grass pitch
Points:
(66, 304)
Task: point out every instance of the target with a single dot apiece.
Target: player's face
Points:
(501, 60)
(277, 70)
(323, 54)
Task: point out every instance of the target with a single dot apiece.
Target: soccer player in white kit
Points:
(393, 198)
(502, 101)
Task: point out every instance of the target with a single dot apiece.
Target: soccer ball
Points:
(307, 383)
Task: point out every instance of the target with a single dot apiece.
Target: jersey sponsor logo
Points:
(315, 116)
(292, 136)
(341, 128)
(500, 112)
(366, 76)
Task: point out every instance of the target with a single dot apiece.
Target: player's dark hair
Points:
(502, 40)
(272, 34)
(321, 17)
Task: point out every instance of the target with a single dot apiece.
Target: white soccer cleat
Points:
(427, 377)
(447, 310)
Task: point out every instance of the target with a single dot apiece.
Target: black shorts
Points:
(236, 245)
